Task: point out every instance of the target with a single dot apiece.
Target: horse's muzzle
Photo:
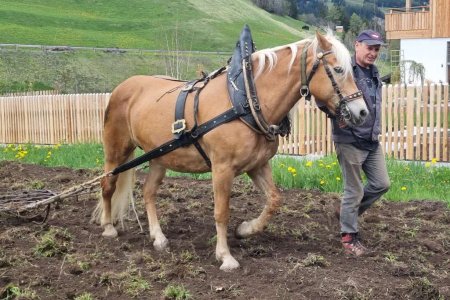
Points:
(354, 117)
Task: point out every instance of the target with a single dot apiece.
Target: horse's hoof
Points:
(229, 264)
(109, 231)
(161, 244)
(243, 230)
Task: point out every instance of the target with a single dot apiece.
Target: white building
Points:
(424, 34)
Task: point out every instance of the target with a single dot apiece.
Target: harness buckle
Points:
(187, 87)
(178, 126)
(304, 91)
(320, 55)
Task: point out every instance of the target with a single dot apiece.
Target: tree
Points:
(416, 71)
(278, 7)
(356, 24)
(293, 9)
(335, 15)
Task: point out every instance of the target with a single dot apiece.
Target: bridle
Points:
(342, 111)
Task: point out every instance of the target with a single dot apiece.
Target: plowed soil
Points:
(298, 256)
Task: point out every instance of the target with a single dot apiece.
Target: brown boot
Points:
(352, 244)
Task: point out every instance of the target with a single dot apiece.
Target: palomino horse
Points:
(141, 111)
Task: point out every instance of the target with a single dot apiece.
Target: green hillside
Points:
(197, 24)
(202, 25)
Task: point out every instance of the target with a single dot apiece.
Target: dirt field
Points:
(298, 256)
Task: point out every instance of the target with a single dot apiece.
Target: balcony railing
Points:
(414, 22)
(405, 9)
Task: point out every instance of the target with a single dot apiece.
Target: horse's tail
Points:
(121, 199)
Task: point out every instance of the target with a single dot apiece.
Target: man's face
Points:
(365, 54)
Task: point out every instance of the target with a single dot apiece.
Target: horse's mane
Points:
(267, 58)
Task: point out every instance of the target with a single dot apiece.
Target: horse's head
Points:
(328, 76)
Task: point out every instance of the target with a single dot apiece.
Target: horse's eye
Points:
(338, 70)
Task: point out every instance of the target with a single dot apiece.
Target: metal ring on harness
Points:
(304, 91)
(178, 126)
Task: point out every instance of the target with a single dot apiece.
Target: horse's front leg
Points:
(222, 178)
(152, 183)
(262, 178)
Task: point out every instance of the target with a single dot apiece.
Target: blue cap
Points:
(370, 37)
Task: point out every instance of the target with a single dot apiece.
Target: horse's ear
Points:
(324, 44)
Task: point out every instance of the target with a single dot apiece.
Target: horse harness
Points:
(341, 110)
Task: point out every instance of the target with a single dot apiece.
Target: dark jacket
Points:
(370, 129)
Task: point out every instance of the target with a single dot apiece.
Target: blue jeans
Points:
(358, 197)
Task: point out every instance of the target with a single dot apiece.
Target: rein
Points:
(341, 111)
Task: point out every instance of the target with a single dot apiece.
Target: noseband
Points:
(304, 90)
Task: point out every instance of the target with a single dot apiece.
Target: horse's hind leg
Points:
(222, 180)
(116, 192)
(262, 178)
(152, 183)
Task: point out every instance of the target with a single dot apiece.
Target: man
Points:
(358, 149)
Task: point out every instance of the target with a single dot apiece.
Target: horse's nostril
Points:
(363, 113)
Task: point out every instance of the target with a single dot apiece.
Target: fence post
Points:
(418, 121)
(438, 119)
(410, 122)
(431, 124)
(445, 148)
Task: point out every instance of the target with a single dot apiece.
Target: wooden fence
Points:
(415, 122)
(52, 119)
(415, 125)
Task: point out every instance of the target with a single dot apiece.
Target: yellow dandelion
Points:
(338, 178)
(434, 160)
(427, 164)
(309, 163)
(322, 182)
(403, 188)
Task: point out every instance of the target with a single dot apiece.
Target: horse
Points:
(140, 114)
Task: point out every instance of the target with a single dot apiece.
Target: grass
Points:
(202, 25)
(85, 296)
(89, 71)
(176, 25)
(14, 292)
(176, 292)
(54, 242)
(409, 180)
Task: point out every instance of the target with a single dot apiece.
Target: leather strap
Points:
(269, 130)
(186, 139)
(304, 89)
(179, 126)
